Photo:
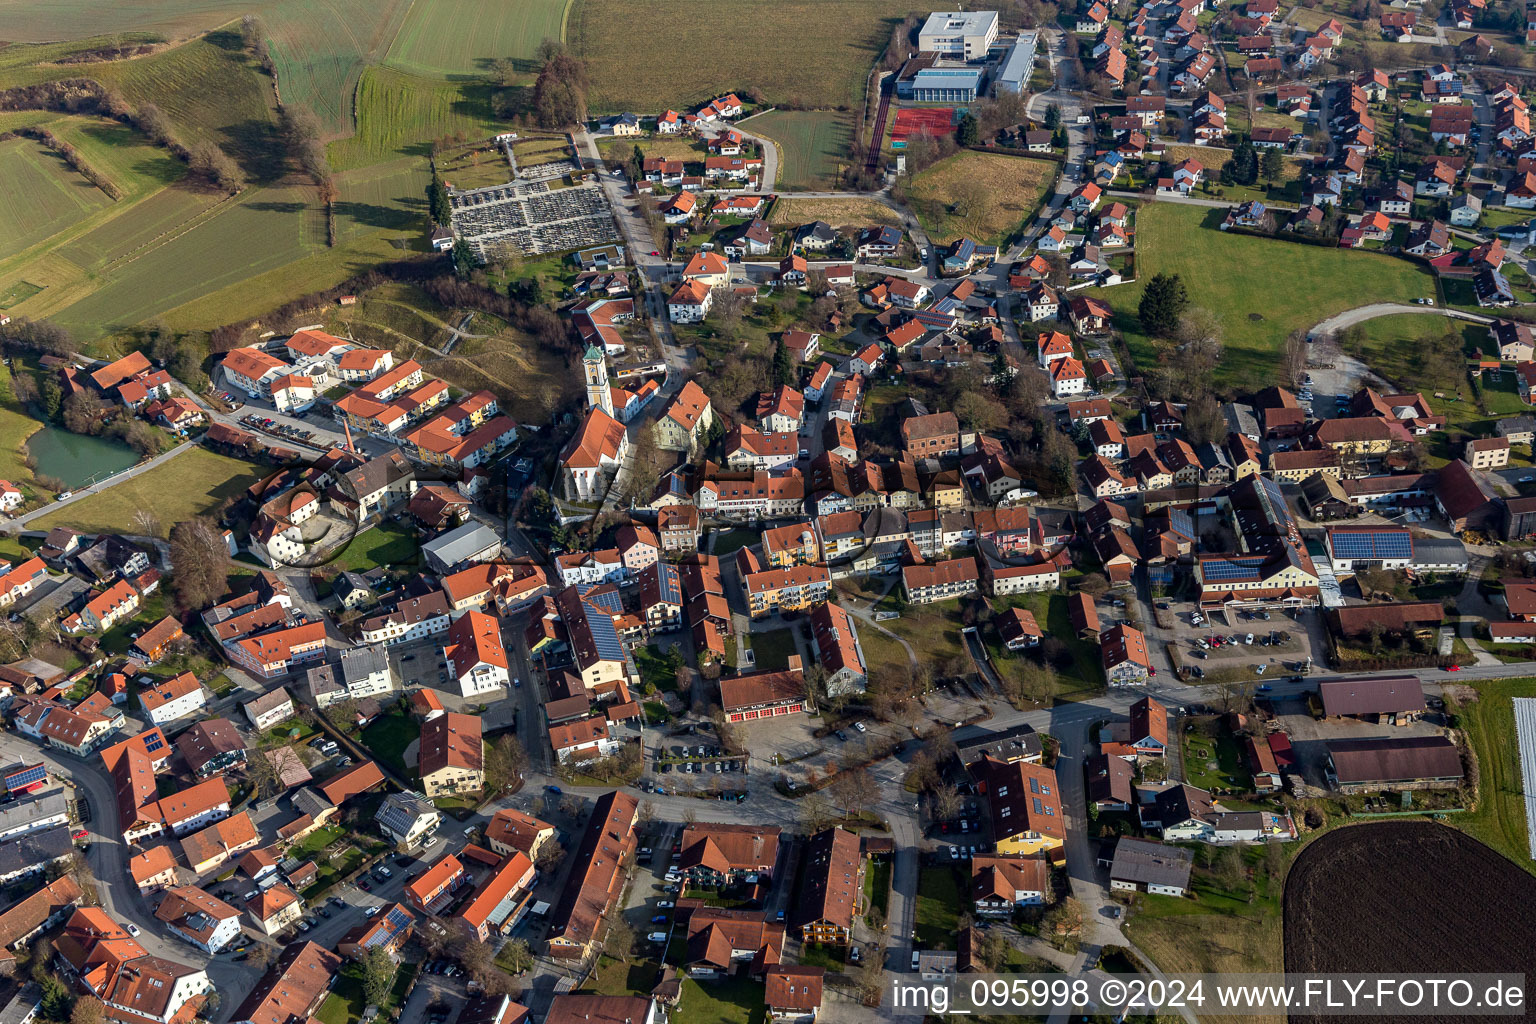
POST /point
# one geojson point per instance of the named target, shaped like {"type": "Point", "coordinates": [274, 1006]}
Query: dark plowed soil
{"type": "Point", "coordinates": [1409, 897]}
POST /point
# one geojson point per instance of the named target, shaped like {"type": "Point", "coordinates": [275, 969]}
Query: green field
{"type": "Point", "coordinates": [321, 49]}
{"type": "Point", "coordinates": [648, 55]}
{"type": "Point", "coordinates": [389, 195]}
{"type": "Point", "coordinates": [1499, 818]}
{"type": "Point", "coordinates": [318, 49]}
{"type": "Point", "coordinates": [42, 195]}
{"type": "Point", "coordinates": [462, 37]}
{"type": "Point", "coordinates": [1262, 289]}
{"type": "Point", "coordinates": [266, 228]}
{"type": "Point", "coordinates": [211, 94]}
{"type": "Point", "coordinates": [191, 484]}
{"type": "Point", "coordinates": [399, 114]}
{"type": "Point", "coordinates": [131, 162]}
{"type": "Point", "coordinates": [813, 145]}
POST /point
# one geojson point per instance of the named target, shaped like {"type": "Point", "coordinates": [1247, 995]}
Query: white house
{"type": "Point", "coordinates": [169, 700]}
{"type": "Point", "coordinates": [691, 303]}
{"type": "Point", "coordinates": [475, 656]}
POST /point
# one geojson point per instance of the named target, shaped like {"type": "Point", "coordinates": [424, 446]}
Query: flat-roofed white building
{"type": "Point", "coordinates": [965, 35]}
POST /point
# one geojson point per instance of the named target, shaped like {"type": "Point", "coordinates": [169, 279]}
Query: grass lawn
{"type": "Point", "coordinates": [840, 213]}
{"type": "Point", "coordinates": [1236, 929]}
{"type": "Point", "coordinates": [734, 1000]}
{"type": "Point", "coordinates": [934, 631]}
{"type": "Point", "coordinates": [192, 484]}
{"type": "Point", "coordinates": [388, 737]}
{"type": "Point", "coordinates": [316, 841]}
{"type": "Point", "coordinates": [615, 978]}
{"type": "Point", "coordinates": [388, 544]}
{"type": "Point", "coordinates": [817, 954]}
{"type": "Point", "coordinates": [15, 427]}
{"type": "Point", "coordinates": [1231, 771]}
{"type": "Point", "coordinates": [1261, 289]}
{"type": "Point", "coordinates": [1083, 676]}
{"type": "Point", "coordinates": [877, 885]}
{"type": "Point", "coordinates": [985, 196]}
{"type": "Point", "coordinates": [658, 668]}
{"type": "Point", "coordinates": [732, 541]}
{"type": "Point", "coordinates": [345, 1003]}
{"type": "Point", "coordinates": [773, 648]}
{"type": "Point", "coordinates": [813, 145]}
{"type": "Point", "coordinates": [1499, 818]}
{"type": "Point", "coordinates": [667, 147]}
{"type": "Point", "coordinates": [1392, 346]}
{"type": "Point", "coordinates": [151, 610]}
{"type": "Point", "coordinates": [881, 653]}
{"type": "Point", "coordinates": [938, 907]}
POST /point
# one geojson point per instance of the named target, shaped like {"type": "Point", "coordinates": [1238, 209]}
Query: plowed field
{"type": "Point", "coordinates": [1408, 897]}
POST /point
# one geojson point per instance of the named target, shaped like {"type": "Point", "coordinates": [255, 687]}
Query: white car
{"type": "Point", "coordinates": [860, 726]}
{"type": "Point", "coordinates": [133, 929]}
{"type": "Point", "coordinates": [370, 911]}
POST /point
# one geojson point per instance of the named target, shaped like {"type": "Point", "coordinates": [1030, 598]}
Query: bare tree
{"type": "Point", "coordinates": [146, 523]}
{"type": "Point", "coordinates": [201, 563]}
{"type": "Point", "coordinates": [261, 773]}
{"type": "Point", "coordinates": [815, 811]}
{"type": "Point", "coordinates": [1295, 355]}
{"type": "Point", "coordinates": [619, 940]}
{"type": "Point", "coordinates": [947, 802]}
{"type": "Point", "coordinates": [854, 789]}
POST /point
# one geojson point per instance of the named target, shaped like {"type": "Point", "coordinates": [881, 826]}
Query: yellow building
{"type": "Point", "coordinates": [1027, 817]}
{"type": "Point", "coordinates": [786, 590]}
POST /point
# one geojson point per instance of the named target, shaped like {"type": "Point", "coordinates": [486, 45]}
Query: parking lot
{"type": "Point", "coordinates": [1267, 642]}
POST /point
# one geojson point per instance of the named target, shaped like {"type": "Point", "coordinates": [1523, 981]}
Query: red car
{"type": "Point", "coordinates": [1453, 668]}
{"type": "Point", "coordinates": [82, 834]}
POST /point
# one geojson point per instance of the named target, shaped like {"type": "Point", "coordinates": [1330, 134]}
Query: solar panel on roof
{"type": "Point", "coordinates": [397, 918]}
{"type": "Point", "coordinates": [153, 743]}
{"type": "Point", "coordinates": [26, 777]}
{"type": "Point", "coordinates": [605, 638]}
{"type": "Point", "coordinates": [1373, 545]}
{"type": "Point", "coordinates": [1229, 568]}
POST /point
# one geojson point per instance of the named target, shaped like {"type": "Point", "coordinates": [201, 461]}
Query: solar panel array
{"type": "Point", "coordinates": [668, 583]}
{"type": "Point", "coordinates": [28, 776]}
{"type": "Point", "coordinates": [1182, 523]}
{"type": "Point", "coordinates": [605, 638]}
{"type": "Point", "coordinates": [153, 742]}
{"type": "Point", "coordinates": [1222, 569]}
{"type": "Point", "coordinates": [1373, 545]}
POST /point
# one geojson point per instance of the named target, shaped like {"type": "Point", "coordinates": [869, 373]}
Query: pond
{"type": "Point", "coordinates": [77, 459]}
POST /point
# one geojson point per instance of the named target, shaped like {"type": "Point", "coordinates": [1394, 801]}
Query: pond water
{"type": "Point", "coordinates": [78, 459]}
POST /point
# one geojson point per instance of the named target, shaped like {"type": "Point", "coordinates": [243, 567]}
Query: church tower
{"type": "Point", "coordinates": [595, 365]}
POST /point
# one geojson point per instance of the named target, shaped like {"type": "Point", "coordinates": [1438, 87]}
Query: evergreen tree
{"type": "Point", "coordinates": [783, 365]}
{"type": "Point", "coordinates": [1245, 162]}
{"type": "Point", "coordinates": [1274, 165]}
{"type": "Point", "coordinates": [463, 258]}
{"type": "Point", "coordinates": [53, 396]}
{"type": "Point", "coordinates": [637, 164]}
{"type": "Point", "coordinates": [438, 206]}
{"type": "Point", "coordinates": [1162, 304]}
{"type": "Point", "coordinates": [968, 132]}
{"type": "Point", "coordinates": [1052, 117]}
